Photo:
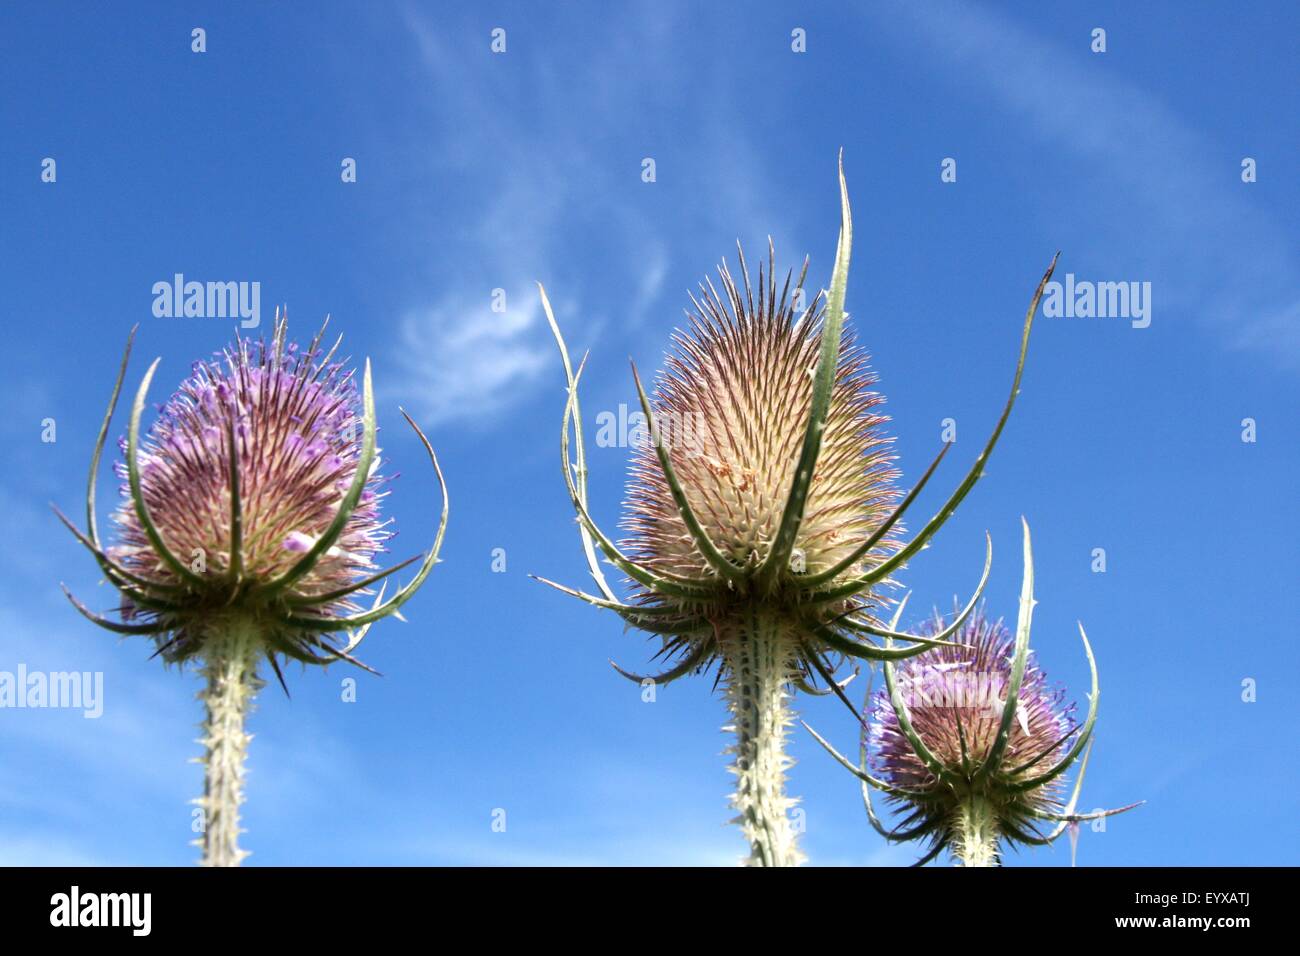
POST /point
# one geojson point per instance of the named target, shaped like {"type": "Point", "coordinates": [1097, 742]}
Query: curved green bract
{"type": "Point", "coordinates": [993, 759]}
{"type": "Point", "coordinates": [351, 498]}
{"type": "Point", "coordinates": [407, 591]}
{"type": "Point", "coordinates": [311, 600]}
{"type": "Point", "coordinates": [926, 755]}
{"type": "Point", "coordinates": [571, 384]}
{"type": "Point", "coordinates": [91, 525]}
{"type": "Point", "coordinates": [861, 774]}
{"type": "Point", "coordinates": [665, 584]}
{"type": "Point", "coordinates": [1085, 733]}
{"type": "Point", "coordinates": [868, 652]}
{"type": "Point", "coordinates": [715, 558]}
{"type": "Point", "coordinates": [823, 386]}
{"type": "Point", "coordinates": [942, 636]}
{"type": "Point", "coordinates": [105, 623]}
{"type": "Point", "coordinates": [137, 492]}
{"type": "Point", "coordinates": [883, 569]}
{"type": "Point", "coordinates": [683, 667]}
{"type": "Point", "coordinates": [820, 578]}
{"type": "Point", "coordinates": [236, 508]}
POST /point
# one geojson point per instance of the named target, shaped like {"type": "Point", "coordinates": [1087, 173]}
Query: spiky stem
{"type": "Point", "coordinates": [975, 834]}
{"type": "Point", "coordinates": [759, 666]}
{"type": "Point", "coordinates": [230, 669]}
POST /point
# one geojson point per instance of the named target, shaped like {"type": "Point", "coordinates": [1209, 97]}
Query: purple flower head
{"type": "Point", "coordinates": [955, 698]}
{"type": "Point", "coordinates": [253, 501]}
{"type": "Point", "coordinates": [970, 741]}
{"type": "Point", "coordinates": [297, 426]}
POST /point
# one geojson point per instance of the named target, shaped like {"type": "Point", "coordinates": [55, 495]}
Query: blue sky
{"type": "Point", "coordinates": [479, 171]}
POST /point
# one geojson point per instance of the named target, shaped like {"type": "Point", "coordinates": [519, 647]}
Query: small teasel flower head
{"type": "Point", "coordinates": [955, 697]}
{"type": "Point", "coordinates": [253, 500]}
{"type": "Point", "coordinates": [763, 521]}
{"type": "Point", "coordinates": [971, 742]}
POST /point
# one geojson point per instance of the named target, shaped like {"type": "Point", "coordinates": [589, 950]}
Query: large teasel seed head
{"type": "Point", "coordinates": [732, 407]}
{"type": "Point", "coordinates": [252, 504]}
{"type": "Point", "coordinates": [762, 517]}
{"type": "Point", "coordinates": [766, 490]}
{"type": "Point", "coordinates": [970, 742]}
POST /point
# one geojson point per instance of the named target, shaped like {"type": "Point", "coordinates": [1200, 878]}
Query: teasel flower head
{"type": "Point", "coordinates": [248, 531]}
{"type": "Point", "coordinates": [763, 521]}
{"type": "Point", "coordinates": [972, 743]}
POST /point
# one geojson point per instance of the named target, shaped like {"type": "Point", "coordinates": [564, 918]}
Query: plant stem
{"type": "Point", "coordinates": [975, 834]}
{"type": "Point", "coordinates": [230, 669]}
{"type": "Point", "coordinates": [759, 667]}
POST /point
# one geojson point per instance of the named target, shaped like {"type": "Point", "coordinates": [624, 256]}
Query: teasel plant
{"type": "Point", "coordinates": [764, 545]}
{"type": "Point", "coordinates": [972, 744]}
{"type": "Point", "coordinates": [246, 534]}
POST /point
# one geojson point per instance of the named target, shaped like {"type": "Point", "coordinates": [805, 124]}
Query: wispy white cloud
{"type": "Point", "coordinates": [1184, 214]}
{"type": "Point", "coordinates": [533, 160]}
{"type": "Point", "coordinates": [462, 362]}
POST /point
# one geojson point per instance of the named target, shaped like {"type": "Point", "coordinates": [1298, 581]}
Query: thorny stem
{"type": "Point", "coordinates": [975, 835]}
{"type": "Point", "coordinates": [759, 666]}
{"type": "Point", "coordinates": [230, 669]}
